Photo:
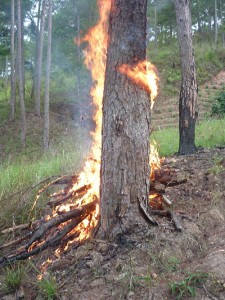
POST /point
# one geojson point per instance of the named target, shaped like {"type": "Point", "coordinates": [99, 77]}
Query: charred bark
{"type": "Point", "coordinates": [188, 93]}
{"type": "Point", "coordinates": [126, 123]}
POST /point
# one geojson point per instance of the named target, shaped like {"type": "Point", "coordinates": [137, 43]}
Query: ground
{"type": "Point", "coordinates": [142, 266]}
{"type": "Point", "coordinates": [146, 265]}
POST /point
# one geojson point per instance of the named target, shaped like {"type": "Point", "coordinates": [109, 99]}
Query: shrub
{"type": "Point", "coordinates": [218, 108]}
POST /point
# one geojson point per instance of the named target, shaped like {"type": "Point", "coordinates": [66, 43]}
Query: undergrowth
{"type": "Point", "coordinates": [209, 133]}
{"type": "Point", "coordinates": [209, 61]}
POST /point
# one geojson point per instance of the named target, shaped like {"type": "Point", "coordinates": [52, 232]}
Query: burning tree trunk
{"type": "Point", "coordinates": [126, 122]}
{"type": "Point", "coordinates": [188, 93]}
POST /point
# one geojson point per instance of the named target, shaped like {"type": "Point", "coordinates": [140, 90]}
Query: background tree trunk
{"type": "Point", "coordinates": [20, 77]}
{"type": "Point", "coordinates": [12, 67]}
{"type": "Point", "coordinates": [48, 69]}
{"type": "Point", "coordinates": [215, 23]}
{"type": "Point", "coordinates": [222, 23]}
{"type": "Point", "coordinates": [188, 93]}
{"type": "Point", "coordinates": [39, 61]}
{"type": "Point", "coordinates": [34, 73]}
{"type": "Point", "coordinates": [126, 123]}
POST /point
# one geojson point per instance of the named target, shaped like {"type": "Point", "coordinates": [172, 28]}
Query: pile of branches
{"type": "Point", "coordinates": [56, 229]}
{"type": "Point", "coordinates": [59, 227]}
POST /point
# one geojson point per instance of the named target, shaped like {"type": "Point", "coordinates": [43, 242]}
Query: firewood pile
{"type": "Point", "coordinates": [60, 227]}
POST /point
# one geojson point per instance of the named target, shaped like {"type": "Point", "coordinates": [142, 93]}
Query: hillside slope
{"type": "Point", "coordinates": [166, 109]}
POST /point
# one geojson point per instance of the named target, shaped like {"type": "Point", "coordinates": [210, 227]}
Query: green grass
{"type": "Point", "coordinates": [209, 61]}
{"type": "Point", "coordinates": [209, 133]}
{"type": "Point", "coordinates": [187, 286]}
{"type": "Point", "coordinates": [19, 174]}
{"type": "Point", "coordinates": [13, 278]}
{"type": "Point", "coordinates": [48, 288]}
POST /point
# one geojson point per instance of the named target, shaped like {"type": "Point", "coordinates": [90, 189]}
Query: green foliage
{"type": "Point", "coordinates": [48, 288]}
{"type": "Point", "coordinates": [187, 287]}
{"type": "Point", "coordinates": [13, 278]}
{"type": "Point", "coordinates": [218, 108]}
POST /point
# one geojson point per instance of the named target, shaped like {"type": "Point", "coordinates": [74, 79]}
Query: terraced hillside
{"type": "Point", "coordinates": [166, 109]}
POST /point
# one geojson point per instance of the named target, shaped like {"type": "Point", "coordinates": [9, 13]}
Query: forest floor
{"type": "Point", "coordinates": [144, 265]}
{"type": "Point", "coordinates": [148, 265]}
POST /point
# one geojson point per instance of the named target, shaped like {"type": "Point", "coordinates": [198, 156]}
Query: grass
{"type": "Point", "coordinates": [13, 278]}
{"type": "Point", "coordinates": [19, 174]}
{"type": "Point", "coordinates": [48, 288]}
{"type": "Point", "coordinates": [187, 286]}
{"type": "Point", "coordinates": [209, 61]}
{"type": "Point", "coordinates": [209, 133]}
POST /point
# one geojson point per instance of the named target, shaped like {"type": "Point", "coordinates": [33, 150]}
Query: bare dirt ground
{"type": "Point", "coordinates": [142, 266]}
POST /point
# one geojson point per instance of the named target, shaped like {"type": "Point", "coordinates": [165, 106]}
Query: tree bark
{"type": "Point", "coordinates": [126, 123]}
{"type": "Point", "coordinates": [188, 92]}
{"type": "Point", "coordinates": [12, 67]}
{"type": "Point", "coordinates": [47, 81]}
{"type": "Point", "coordinates": [20, 76]}
{"type": "Point", "coordinates": [39, 61]}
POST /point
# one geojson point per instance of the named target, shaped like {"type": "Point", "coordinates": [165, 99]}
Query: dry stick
{"type": "Point", "coordinates": [20, 227]}
{"type": "Point", "coordinates": [168, 213]}
{"type": "Point", "coordinates": [54, 241]}
{"type": "Point", "coordinates": [176, 221]}
{"type": "Point", "coordinates": [59, 201]}
{"type": "Point", "coordinates": [144, 205]}
{"type": "Point", "coordinates": [209, 294]}
{"type": "Point", "coordinates": [19, 240]}
{"type": "Point", "coordinates": [42, 191]}
{"type": "Point", "coordinates": [75, 213]}
{"type": "Point", "coordinates": [166, 200]}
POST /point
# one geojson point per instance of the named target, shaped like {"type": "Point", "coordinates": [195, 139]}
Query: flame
{"type": "Point", "coordinates": [95, 60]}
{"type": "Point", "coordinates": [155, 160]}
{"type": "Point", "coordinates": [143, 74]}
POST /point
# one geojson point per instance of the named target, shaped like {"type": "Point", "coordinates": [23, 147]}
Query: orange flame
{"type": "Point", "coordinates": [155, 160]}
{"type": "Point", "coordinates": [144, 75]}
{"type": "Point", "coordinates": [95, 60]}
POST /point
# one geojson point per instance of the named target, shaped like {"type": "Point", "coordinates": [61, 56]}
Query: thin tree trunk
{"type": "Point", "coordinates": [156, 27]}
{"type": "Point", "coordinates": [22, 52]}
{"type": "Point", "coordinates": [222, 23]}
{"type": "Point", "coordinates": [126, 123]}
{"type": "Point", "coordinates": [188, 93]}
{"type": "Point", "coordinates": [39, 61]}
{"type": "Point", "coordinates": [12, 68]}
{"type": "Point", "coordinates": [6, 70]}
{"type": "Point", "coordinates": [198, 18]}
{"type": "Point", "coordinates": [48, 69]}
{"type": "Point", "coordinates": [34, 75]}
{"type": "Point", "coordinates": [216, 23]}
{"type": "Point", "coordinates": [20, 76]}
{"type": "Point", "coordinates": [78, 47]}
